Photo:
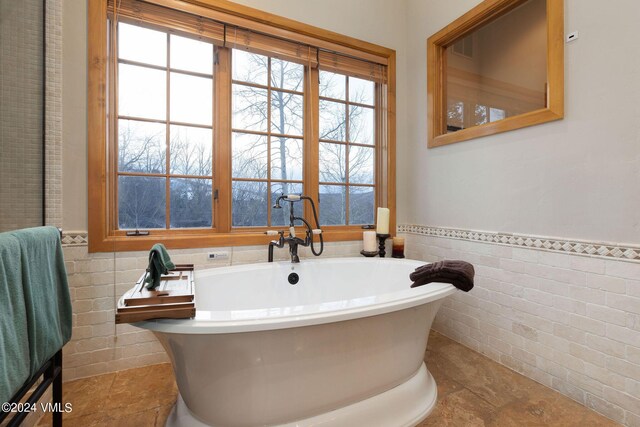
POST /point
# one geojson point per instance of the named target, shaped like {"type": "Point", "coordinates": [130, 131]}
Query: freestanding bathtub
{"type": "Point", "coordinates": [342, 347]}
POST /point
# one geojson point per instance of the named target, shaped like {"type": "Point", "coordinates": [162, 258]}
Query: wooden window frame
{"type": "Point", "coordinates": [477, 17]}
{"type": "Point", "coordinates": [103, 235]}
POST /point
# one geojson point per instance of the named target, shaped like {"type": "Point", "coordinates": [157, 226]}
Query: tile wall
{"type": "Point", "coordinates": [565, 316]}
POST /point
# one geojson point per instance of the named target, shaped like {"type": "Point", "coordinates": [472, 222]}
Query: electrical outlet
{"type": "Point", "coordinates": [214, 256]}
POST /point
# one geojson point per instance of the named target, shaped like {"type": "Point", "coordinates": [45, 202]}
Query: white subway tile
{"type": "Point", "coordinates": [554, 259]}
{"type": "Point", "coordinates": [607, 314]}
{"type": "Point", "coordinates": [525, 331]}
{"type": "Point", "coordinates": [512, 265]}
{"type": "Point", "coordinates": [626, 270]}
{"type": "Point", "coordinates": [633, 353]}
{"type": "Point", "coordinates": [624, 335]}
{"type": "Point", "coordinates": [604, 376]}
{"type": "Point", "coordinates": [633, 388]}
{"type": "Point", "coordinates": [585, 383]}
{"type": "Point", "coordinates": [569, 390]}
{"type": "Point", "coordinates": [623, 302]}
{"type": "Point", "coordinates": [586, 354]}
{"type": "Point", "coordinates": [606, 283]}
{"type": "Point", "coordinates": [499, 345]}
{"type": "Point", "coordinates": [630, 403]}
{"type": "Point", "coordinates": [630, 370]}
{"type": "Point", "coordinates": [595, 327]}
{"type": "Point", "coordinates": [569, 333]}
{"type": "Point", "coordinates": [633, 288]}
{"type": "Point", "coordinates": [558, 274]}
{"type": "Point", "coordinates": [632, 419]}
{"type": "Point", "coordinates": [587, 264]}
{"type": "Point", "coordinates": [589, 295]}
{"type": "Point", "coordinates": [608, 409]}
{"type": "Point", "coordinates": [523, 356]}
{"type": "Point", "coordinates": [527, 255]}
{"type": "Point", "coordinates": [606, 345]}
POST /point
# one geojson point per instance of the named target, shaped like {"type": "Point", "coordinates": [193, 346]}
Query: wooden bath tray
{"type": "Point", "coordinates": [173, 299]}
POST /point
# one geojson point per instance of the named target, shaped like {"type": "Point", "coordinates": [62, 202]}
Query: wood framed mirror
{"type": "Point", "coordinates": [497, 68]}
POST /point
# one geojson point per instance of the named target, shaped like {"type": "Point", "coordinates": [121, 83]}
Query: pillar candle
{"type": "Point", "coordinates": [383, 221]}
{"type": "Point", "coordinates": [369, 238]}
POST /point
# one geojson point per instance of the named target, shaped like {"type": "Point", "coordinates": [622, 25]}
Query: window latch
{"type": "Point", "coordinates": [137, 232]}
{"type": "Point", "coordinates": [215, 194]}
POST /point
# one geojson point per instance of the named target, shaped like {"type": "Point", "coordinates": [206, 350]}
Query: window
{"type": "Point", "coordinates": [347, 152]}
{"type": "Point", "coordinates": [267, 137]}
{"type": "Point", "coordinates": [215, 115]}
{"type": "Point", "coordinates": [165, 134]}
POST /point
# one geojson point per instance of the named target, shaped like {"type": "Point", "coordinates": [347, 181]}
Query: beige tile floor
{"type": "Point", "coordinates": [472, 391]}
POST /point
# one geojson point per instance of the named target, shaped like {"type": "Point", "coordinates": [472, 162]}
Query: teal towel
{"type": "Point", "coordinates": [46, 293]}
{"type": "Point", "coordinates": [14, 337]}
{"type": "Point", "coordinates": [159, 264]}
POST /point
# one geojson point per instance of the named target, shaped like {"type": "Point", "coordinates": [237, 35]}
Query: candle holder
{"type": "Point", "coordinates": [368, 254]}
{"type": "Point", "coordinates": [381, 239]}
{"type": "Point", "coordinates": [398, 247]}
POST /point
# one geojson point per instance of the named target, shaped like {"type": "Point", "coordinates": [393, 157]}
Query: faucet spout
{"type": "Point", "coordinates": [292, 239]}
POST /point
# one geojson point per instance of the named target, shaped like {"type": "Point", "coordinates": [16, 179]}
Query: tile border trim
{"type": "Point", "coordinates": [607, 250]}
{"type": "Point", "coordinates": [75, 238]}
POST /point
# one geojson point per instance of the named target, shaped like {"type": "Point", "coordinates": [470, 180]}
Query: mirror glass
{"type": "Point", "coordinates": [499, 70]}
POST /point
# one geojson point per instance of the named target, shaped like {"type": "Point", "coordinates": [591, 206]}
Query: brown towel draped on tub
{"type": "Point", "coordinates": [458, 273]}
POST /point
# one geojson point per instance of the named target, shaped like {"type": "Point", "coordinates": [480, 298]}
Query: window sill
{"type": "Point", "coordinates": [118, 243]}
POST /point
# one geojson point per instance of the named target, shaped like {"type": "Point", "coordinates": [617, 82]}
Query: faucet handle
{"type": "Point", "coordinates": [273, 232]}
{"type": "Point", "coordinates": [316, 231]}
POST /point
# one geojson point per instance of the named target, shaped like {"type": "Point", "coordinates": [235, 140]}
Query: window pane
{"type": "Point", "coordinates": [141, 202]}
{"type": "Point", "coordinates": [332, 85]}
{"type": "Point", "coordinates": [361, 91]}
{"type": "Point", "coordinates": [141, 146]}
{"type": "Point", "coordinates": [333, 162]}
{"type": "Point", "coordinates": [249, 67]}
{"type": "Point", "coordinates": [496, 114]}
{"type": "Point", "coordinates": [361, 203]}
{"type": "Point", "coordinates": [361, 125]}
{"type": "Point", "coordinates": [191, 55]}
{"type": "Point", "coordinates": [281, 216]}
{"type": "Point", "coordinates": [333, 121]}
{"type": "Point", "coordinates": [361, 165]}
{"type": "Point", "coordinates": [191, 150]}
{"type": "Point", "coordinates": [191, 99]}
{"type": "Point", "coordinates": [190, 203]}
{"type": "Point", "coordinates": [286, 158]}
{"type": "Point", "coordinates": [286, 113]}
{"type": "Point", "coordinates": [249, 204]}
{"type": "Point", "coordinates": [333, 201]}
{"type": "Point", "coordinates": [142, 44]}
{"type": "Point", "coordinates": [249, 108]}
{"type": "Point", "coordinates": [287, 75]}
{"type": "Point", "coordinates": [249, 156]}
{"type": "Point", "coordinates": [142, 92]}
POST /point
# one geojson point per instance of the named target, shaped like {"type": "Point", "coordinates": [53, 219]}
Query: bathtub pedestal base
{"type": "Point", "coordinates": [404, 405]}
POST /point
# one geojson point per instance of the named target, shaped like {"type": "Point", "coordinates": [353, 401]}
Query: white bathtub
{"type": "Point", "coordinates": [342, 347]}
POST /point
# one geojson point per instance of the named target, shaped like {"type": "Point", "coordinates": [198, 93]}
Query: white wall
{"type": "Point", "coordinates": [576, 178]}
{"type": "Point", "coordinates": [377, 21]}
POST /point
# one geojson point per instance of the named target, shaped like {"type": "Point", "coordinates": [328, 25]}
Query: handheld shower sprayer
{"type": "Point", "coordinates": [310, 232]}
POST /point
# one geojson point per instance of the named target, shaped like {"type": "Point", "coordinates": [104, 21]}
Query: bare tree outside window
{"type": "Point", "coordinates": [148, 181]}
{"type": "Point", "coordinates": [347, 153]}
{"type": "Point", "coordinates": [267, 144]}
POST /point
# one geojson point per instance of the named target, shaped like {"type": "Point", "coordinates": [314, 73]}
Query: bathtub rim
{"type": "Point", "coordinates": [388, 302]}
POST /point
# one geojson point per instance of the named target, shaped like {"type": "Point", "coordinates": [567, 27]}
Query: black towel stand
{"type": "Point", "coordinates": [51, 373]}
